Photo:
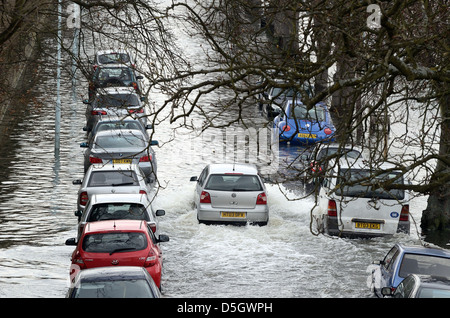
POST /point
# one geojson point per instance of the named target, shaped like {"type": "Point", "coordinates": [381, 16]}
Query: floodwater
{"type": "Point", "coordinates": [282, 259]}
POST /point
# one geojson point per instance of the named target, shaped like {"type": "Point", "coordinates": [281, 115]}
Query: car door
{"type": "Point", "coordinates": [200, 184]}
{"type": "Point", "coordinates": [387, 267]}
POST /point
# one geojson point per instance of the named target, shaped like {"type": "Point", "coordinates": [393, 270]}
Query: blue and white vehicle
{"type": "Point", "coordinates": [402, 261]}
{"type": "Point", "coordinates": [297, 124]}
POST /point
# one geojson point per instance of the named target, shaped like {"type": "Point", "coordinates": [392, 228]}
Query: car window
{"type": "Point", "coordinates": [114, 242]}
{"type": "Point", "coordinates": [405, 288]}
{"type": "Point", "coordinates": [425, 264]}
{"type": "Point", "coordinates": [430, 292]}
{"type": "Point", "coordinates": [151, 234]}
{"type": "Point", "coordinates": [390, 257]}
{"type": "Point", "coordinates": [130, 288]}
{"type": "Point", "coordinates": [363, 183]}
{"type": "Point", "coordinates": [117, 100]}
{"type": "Point", "coordinates": [113, 178]}
{"type": "Point", "coordinates": [117, 211]}
{"type": "Point", "coordinates": [202, 177]}
{"type": "Point", "coordinates": [113, 58]}
{"type": "Point", "coordinates": [233, 182]}
{"type": "Point", "coordinates": [315, 114]}
{"type": "Point", "coordinates": [119, 141]}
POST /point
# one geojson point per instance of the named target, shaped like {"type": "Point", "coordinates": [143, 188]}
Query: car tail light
{"type": "Point", "coordinates": [328, 131]}
{"type": "Point", "coordinates": [285, 128]}
{"type": "Point", "coordinates": [95, 160]}
{"type": "Point", "coordinates": [145, 159]}
{"type": "Point", "coordinates": [142, 192]}
{"type": "Point", "coordinates": [332, 210]}
{"type": "Point", "coordinates": [135, 86]}
{"type": "Point", "coordinates": [205, 197]}
{"type": "Point", "coordinates": [261, 199]}
{"type": "Point", "coordinates": [151, 259]}
{"type": "Point", "coordinates": [99, 112]}
{"type": "Point", "coordinates": [78, 260]}
{"type": "Point", "coordinates": [84, 198]}
{"type": "Point", "coordinates": [152, 227]}
{"type": "Point", "coordinates": [404, 214]}
{"type": "Point", "coordinates": [136, 111]}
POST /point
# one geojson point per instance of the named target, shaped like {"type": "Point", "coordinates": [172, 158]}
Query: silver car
{"type": "Point", "coordinates": [118, 146]}
{"type": "Point", "coordinates": [231, 193]}
{"type": "Point", "coordinates": [101, 207]}
{"type": "Point", "coordinates": [113, 179]}
{"type": "Point", "coordinates": [112, 102]}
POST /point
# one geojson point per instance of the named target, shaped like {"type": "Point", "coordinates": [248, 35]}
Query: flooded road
{"type": "Point", "coordinates": [282, 259]}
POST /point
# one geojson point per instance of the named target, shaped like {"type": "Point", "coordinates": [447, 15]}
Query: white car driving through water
{"type": "Point", "coordinates": [353, 202]}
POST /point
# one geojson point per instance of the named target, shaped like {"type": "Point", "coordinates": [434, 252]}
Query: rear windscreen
{"type": "Point", "coordinates": [113, 179]}
{"type": "Point", "coordinates": [233, 182]}
{"type": "Point", "coordinates": [369, 184]}
{"type": "Point", "coordinates": [114, 242]}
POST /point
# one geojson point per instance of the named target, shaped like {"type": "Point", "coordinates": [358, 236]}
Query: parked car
{"type": "Point", "coordinates": [123, 206]}
{"type": "Point", "coordinates": [231, 193]}
{"type": "Point", "coordinates": [118, 243]}
{"type": "Point", "coordinates": [114, 282]}
{"type": "Point", "coordinates": [296, 124]}
{"type": "Point", "coordinates": [116, 56]}
{"type": "Point", "coordinates": [420, 286]}
{"type": "Point", "coordinates": [402, 261]}
{"type": "Point", "coordinates": [114, 75]}
{"type": "Point", "coordinates": [276, 97]}
{"type": "Point", "coordinates": [113, 102]}
{"type": "Point", "coordinates": [118, 122]}
{"type": "Point", "coordinates": [121, 147]}
{"type": "Point", "coordinates": [113, 179]}
{"type": "Point", "coordinates": [322, 153]}
{"type": "Point", "coordinates": [352, 201]}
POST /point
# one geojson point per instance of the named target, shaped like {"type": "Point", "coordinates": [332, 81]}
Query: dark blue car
{"type": "Point", "coordinates": [296, 124]}
{"type": "Point", "coordinates": [402, 260]}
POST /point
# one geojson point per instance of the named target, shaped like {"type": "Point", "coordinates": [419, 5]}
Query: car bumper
{"type": "Point", "coordinates": [334, 227]}
{"type": "Point", "coordinates": [259, 215]}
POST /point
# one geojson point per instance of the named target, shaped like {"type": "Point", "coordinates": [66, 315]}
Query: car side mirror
{"type": "Point", "coordinates": [387, 291]}
{"type": "Point", "coordinates": [86, 101]}
{"type": "Point", "coordinates": [193, 179]}
{"type": "Point", "coordinates": [143, 99]}
{"type": "Point", "coordinates": [84, 145]}
{"type": "Point", "coordinates": [154, 143]}
{"type": "Point", "coordinates": [78, 213]}
{"type": "Point", "coordinates": [139, 77]}
{"type": "Point", "coordinates": [163, 238]}
{"type": "Point", "coordinates": [149, 126]}
{"type": "Point", "coordinates": [160, 212]}
{"type": "Point", "coordinates": [71, 242]}
{"type": "Point", "coordinates": [75, 182]}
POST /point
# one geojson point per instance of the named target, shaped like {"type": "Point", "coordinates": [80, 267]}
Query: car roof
{"type": "Point", "coordinates": [115, 118]}
{"type": "Point", "coordinates": [116, 90]}
{"type": "Point", "coordinates": [338, 145]}
{"type": "Point", "coordinates": [99, 198]}
{"type": "Point", "coordinates": [424, 250]}
{"type": "Point", "coordinates": [361, 163]}
{"type": "Point", "coordinates": [122, 131]}
{"type": "Point", "coordinates": [233, 168]}
{"type": "Point", "coordinates": [116, 225]}
{"type": "Point", "coordinates": [111, 273]}
{"type": "Point", "coordinates": [111, 51]}
{"type": "Point", "coordinates": [115, 167]}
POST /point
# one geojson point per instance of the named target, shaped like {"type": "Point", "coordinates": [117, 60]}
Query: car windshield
{"type": "Point", "coordinates": [315, 114]}
{"type": "Point", "coordinates": [113, 178]}
{"type": "Point", "coordinates": [119, 141]}
{"type": "Point", "coordinates": [130, 288]}
{"type": "Point", "coordinates": [233, 182]}
{"type": "Point", "coordinates": [117, 211]}
{"type": "Point", "coordinates": [329, 151]}
{"type": "Point", "coordinates": [111, 58]}
{"type": "Point", "coordinates": [425, 264]}
{"type": "Point", "coordinates": [114, 242]}
{"type": "Point", "coordinates": [117, 100]}
{"type": "Point", "coordinates": [361, 183]}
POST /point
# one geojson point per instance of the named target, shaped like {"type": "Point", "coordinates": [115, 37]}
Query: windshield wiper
{"type": "Point", "coordinates": [122, 184]}
{"type": "Point", "coordinates": [122, 249]}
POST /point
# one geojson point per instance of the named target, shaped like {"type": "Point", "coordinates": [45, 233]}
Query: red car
{"type": "Point", "coordinates": [118, 243]}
